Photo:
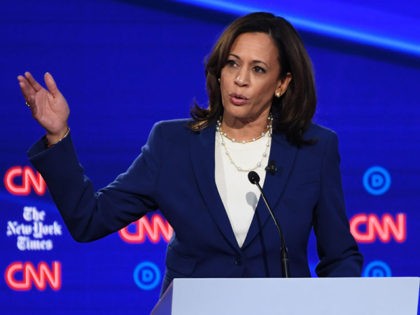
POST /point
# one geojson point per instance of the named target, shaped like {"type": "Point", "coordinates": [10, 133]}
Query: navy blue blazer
{"type": "Point", "coordinates": [175, 173]}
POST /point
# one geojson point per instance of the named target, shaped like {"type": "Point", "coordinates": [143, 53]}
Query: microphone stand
{"type": "Point", "coordinates": [255, 179]}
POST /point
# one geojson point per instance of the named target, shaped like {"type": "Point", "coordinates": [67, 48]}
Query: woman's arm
{"type": "Point", "coordinates": [337, 249]}
{"type": "Point", "coordinates": [88, 215]}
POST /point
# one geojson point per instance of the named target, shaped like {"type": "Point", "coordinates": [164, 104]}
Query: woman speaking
{"type": "Point", "coordinates": [261, 100]}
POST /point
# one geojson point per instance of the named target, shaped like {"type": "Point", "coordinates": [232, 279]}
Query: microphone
{"type": "Point", "coordinates": [271, 168]}
{"type": "Point", "coordinates": [254, 178]}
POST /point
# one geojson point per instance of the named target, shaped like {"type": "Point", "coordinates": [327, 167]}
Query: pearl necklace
{"type": "Point", "coordinates": [268, 132]}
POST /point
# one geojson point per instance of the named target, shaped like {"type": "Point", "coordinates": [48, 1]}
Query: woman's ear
{"type": "Point", "coordinates": [283, 84]}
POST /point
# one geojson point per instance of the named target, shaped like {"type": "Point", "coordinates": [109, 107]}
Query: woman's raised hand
{"type": "Point", "coordinates": [49, 107]}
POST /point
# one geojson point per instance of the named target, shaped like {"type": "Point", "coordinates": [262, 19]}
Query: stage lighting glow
{"type": "Point", "coordinates": [368, 36]}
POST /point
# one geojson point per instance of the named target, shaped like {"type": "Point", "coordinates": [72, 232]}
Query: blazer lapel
{"type": "Point", "coordinates": [283, 154]}
{"type": "Point", "coordinates": [203, 162]}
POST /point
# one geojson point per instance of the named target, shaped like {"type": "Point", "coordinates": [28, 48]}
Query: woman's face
{"type": "Point", "coordinates": [250, 78]}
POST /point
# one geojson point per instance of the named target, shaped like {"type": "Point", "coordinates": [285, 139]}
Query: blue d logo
{"type": "Point", "coordinates": [147, 275]}
{"type": "Point", "coordinates": [376, 180]}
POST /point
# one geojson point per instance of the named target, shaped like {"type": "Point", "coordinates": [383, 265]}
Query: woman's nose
{"type": "Point", "coordinates": [242, 78]}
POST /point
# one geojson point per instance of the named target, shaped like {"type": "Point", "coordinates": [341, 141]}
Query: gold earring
{"type": "Point", "coordinates": [278, 94]}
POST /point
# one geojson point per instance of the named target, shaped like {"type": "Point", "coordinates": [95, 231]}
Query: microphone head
{"type": "Point", "coordinates": [253, 177]}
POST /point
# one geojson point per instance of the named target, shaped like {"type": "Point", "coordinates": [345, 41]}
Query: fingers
{"type": "Point", "coordinates": [30, 87]}
{"type": "Point", "coordinates": [33, 83]}
{"type": "Point", "coordinates": [26, 88]}
{"type": "Point", "coordinates": [51, 85]}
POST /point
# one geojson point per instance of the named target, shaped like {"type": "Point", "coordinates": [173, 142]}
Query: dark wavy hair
{"type": "Point", "coordinates": [293, 111]}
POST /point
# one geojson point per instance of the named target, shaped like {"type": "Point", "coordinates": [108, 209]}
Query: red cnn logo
{"type": "Point", "coordinates": [155, 228]}
{"type": "Point", "coordinates": [366, 228]}
{"type": "Point", "coordinates": [19, 181]}
{"type": "Point", "coordinates": [21, 276]}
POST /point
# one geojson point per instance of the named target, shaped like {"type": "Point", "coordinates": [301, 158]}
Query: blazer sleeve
{"type": "Point", "coordinates": [337, 249]}
{"type": "Point", "coordinates": [90, 215]}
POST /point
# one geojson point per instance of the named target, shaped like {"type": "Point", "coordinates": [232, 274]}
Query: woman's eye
{"type": "Point", "coordinates": [231, 63]}
{"type": "Point", "coordinates": [259, 69]}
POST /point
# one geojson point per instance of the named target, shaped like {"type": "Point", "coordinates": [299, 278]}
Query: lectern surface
{"type": "Point", "coordinates": [293, 296]}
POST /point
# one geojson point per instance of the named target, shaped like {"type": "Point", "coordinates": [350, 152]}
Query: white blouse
{"type": "Point", "coordinates": [239, 196]}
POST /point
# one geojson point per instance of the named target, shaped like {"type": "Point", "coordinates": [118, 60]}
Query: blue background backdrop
{"type": "Point", "coordinates": [124, 65]}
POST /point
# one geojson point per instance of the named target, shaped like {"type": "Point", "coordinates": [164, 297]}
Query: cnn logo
{"type": "Point", "coordinates": [154, 229]}
{"type": "Point", "coordinates": [21, 181]}
{"type": "Point", "coordinates": [367, 228]}
{"type": "Point", "coordinates": [22, 276]}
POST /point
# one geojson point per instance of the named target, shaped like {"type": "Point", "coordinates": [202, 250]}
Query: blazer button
{"type": "Point", "coordinates": [237, 261]}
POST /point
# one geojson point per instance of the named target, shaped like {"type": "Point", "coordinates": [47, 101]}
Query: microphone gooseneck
{"type": "Point", "coordinates": [254, 178]}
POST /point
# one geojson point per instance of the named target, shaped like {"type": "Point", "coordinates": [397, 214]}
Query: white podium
{"type": "Point", "coordinates": [292, 296]}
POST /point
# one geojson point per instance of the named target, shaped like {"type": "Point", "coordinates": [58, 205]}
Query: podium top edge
{"type": "Point", "coordinates": [301, 279]}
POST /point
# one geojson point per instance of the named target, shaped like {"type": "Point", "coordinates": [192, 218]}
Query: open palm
{"type": "Point", "coordinates": [48, 106]}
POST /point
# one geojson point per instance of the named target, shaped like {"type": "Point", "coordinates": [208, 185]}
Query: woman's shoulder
{"type": "Point", "coordinates": [319, 132]}
{"type": "Point", "coordinates": [173, 123]}
{"type": "Point", "coordinates": [171, 129]}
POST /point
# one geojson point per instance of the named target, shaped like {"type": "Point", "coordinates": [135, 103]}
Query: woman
{"type": "Point", "coordinates": [261, 103]}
